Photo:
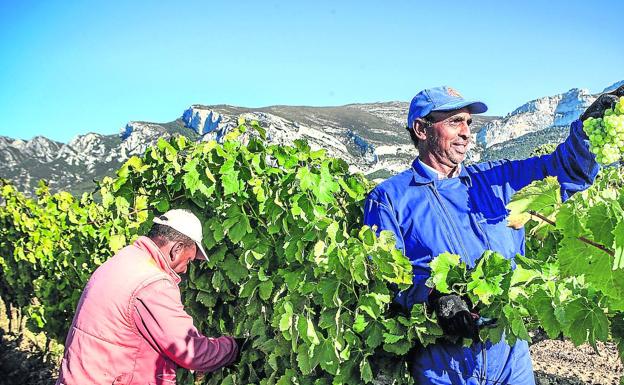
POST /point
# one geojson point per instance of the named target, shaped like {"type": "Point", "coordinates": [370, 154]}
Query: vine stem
{"type": "Point", "coordinates": [581, 238]}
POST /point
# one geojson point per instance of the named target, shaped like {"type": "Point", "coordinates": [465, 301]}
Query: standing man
{"type": "Point", "coordinates": [439, 205]}
{"type": "Point", "coordinates": [130, 326]}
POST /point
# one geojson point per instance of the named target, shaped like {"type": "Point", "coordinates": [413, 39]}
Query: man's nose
{"type": "Point", "coordinates": [464, 131]}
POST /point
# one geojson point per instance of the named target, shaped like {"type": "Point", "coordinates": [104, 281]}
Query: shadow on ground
{"type": "Point", "coordinates": [23, 365]}
{"type": "Point", "coordinates": [542, 378]}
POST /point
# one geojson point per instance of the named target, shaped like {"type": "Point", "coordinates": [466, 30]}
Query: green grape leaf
{"type": "Point", "coordinates": [391, 338]}
{"type": "Point", "coordinates": [191, 179]}
{"type": "Point", "coordinates": [305, 359]}
{"type": "Point", "coordinates": [162, 205]}
{"type": "Point", "coordinates": [375, 335]}
{"type": "Point", "coordinates": [360, 324]}
{"type": "Point", "coordinates": [601, 222]}
{"type": "Point", "coordinates": [618, 246]}
{"type": "Point", "coordinates": [491, 277]}
{"type": "Point", "coordinates": [543, 307]}
{"type": "Point", "coordinates": [240, 228]}
{"type": "Point", "coordinates": [569, 221]}
{"type": "Point", "coordinates": [374, 304]}
{"type": "Point", "coordinates": [265, 289]}
{"type": "Point", "coordinates": [577, 258]}
{"type": "Point", "coordinates": [444, 273]}
{"type": "Point", "coordinates": [399, 348]}
{"type": "Point", "coordinates": [206, 299]}
{"type": "Point", "coordinates": [311, 332]}
{"type": "Point", "coordinates": [568, 255]}
{"type": "Point", "coordinates": [328, 288]}
{"type": "Point", "coordinates": [230, 179]}
{"type": "Point", "coordinates": [329, 359]}
{"type": "Point", "coordinates": [326, 187]}
{"type": "Point", "coordinates": [586, 322]}
{"type": "Point", "coordinates": [117, 242]}
{"type": "Point", "coordinates": [366, 373]}
{"type": "Point", "coordinates": [307, 179]}
{"type": "Point", "coordinates": [234, 270]}
{"type": "Point", "coordinates": [541, 196]}
{"type": "Point", "coordinates": [285, 322]}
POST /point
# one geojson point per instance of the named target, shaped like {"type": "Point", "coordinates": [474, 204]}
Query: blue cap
{"type": "Point", "coordinates": [440, 99]}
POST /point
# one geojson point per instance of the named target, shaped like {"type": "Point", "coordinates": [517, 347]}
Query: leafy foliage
{"type": "Point", "coordinates": [292, 269]}
{"type": "Point", "coordinates": [575, 254]}
{"type": "Point", "coordinates": [290, 266]}
{"type": "Point", "coordinates": [50, 245]}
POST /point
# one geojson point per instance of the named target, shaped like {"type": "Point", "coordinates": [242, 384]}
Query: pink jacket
{"type": "Point", "coordinates": [130, 327]}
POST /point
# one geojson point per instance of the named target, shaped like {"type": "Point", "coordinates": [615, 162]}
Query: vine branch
{"type": "Point", "coordinates": [580, 238]}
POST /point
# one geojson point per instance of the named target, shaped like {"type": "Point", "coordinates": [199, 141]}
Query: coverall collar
{"type": "Point", "coordinates": [422, 176]}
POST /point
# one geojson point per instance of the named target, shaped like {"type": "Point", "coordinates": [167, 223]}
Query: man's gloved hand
{"type": "Point", "coordinates": [240, 343]}
{"type": "Point", "coordinates": [454, 316]}
{"type": "Point", "coordinates": [604, 102]}
{"type": "Point", "coordinates": [598, 107]}
{"type": "Point", "coordinates": [618, 92]}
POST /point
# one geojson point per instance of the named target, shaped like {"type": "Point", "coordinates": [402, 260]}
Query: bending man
{"type": "Point", "coordinates": [130, 326]}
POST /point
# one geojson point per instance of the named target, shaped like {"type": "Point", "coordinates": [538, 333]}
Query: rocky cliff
{"type": "Point", "coordinates": [370, 137]}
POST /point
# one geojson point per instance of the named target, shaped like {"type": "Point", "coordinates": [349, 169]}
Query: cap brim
{"type": "Point", "coordinates": [472, 106]}
{"type": "Point", "coordinates": [200, 254]}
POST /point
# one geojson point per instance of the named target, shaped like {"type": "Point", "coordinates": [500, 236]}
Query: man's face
{"type": "Point", "coordinates": [447, 139]}
{"type": "Point", "coordinates": [181, 256]}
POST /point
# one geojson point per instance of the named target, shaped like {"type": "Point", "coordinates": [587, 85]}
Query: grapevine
{"type": "Point", "coordinates": [292, 268]}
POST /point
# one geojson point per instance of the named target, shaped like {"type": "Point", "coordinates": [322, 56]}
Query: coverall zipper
{"type": "Point", "coordinates": [449, 218]}
{"type": "Point", "coordinates": [483, 378]}
{"type": "Point", "coordinates": [487, 240]}
{"type": "Point", "coordinates": [484, 364]}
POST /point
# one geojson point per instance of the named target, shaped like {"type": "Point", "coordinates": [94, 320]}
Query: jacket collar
{"type": "Point", "coordinates": [147, 245]}
{"type": "Point", "coordinates": [422, 176]}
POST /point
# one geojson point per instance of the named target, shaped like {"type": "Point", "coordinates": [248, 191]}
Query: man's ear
{"type": "Point", "coordinates": [176, 250]}
{"type": "Point", "coordinates": [420, 129]}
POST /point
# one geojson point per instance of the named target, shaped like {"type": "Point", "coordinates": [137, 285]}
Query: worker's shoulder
{"type": "Point", "coordinates": [160, 282]}
{"type": "Point", "coordinates": [393, 185]}
{"type": "Point", "coordinates": [476, 168]}
{"type": "Point", "coordinates": [129, 266]}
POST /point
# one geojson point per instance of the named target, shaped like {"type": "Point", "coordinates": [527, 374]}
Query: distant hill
{"type": "Point", "coordinates": [370, 137]}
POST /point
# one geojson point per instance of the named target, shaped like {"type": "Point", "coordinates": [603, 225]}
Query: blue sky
{"type": "Point", "coordinates": [72, 67]}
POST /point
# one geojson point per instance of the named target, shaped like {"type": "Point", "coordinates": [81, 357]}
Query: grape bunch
{"type": "Point", "coordinates": [606, 134]}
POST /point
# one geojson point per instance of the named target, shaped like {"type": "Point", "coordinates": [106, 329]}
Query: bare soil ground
{"type": "Point", "coordinates": [25, 358]}
{"type": "Point", "coordinates": [561, 363]}
{"type": "Point", "coordinates": [22, 363]}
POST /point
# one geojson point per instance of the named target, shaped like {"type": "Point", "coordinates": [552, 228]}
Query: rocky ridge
{"type": "Point", "coordinates": [536, 115]}
{"type": "Point", "coordinates": [370, 137]}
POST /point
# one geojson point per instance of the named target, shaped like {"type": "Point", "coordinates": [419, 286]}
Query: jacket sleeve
{"type": "Point", "coordinates": [378, 213]}
{"type": "Point", "coordinates": [572, 163]}
{"type": "Point", "coordinates": [160, 318]}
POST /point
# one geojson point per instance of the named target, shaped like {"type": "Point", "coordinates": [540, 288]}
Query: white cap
{"type": "Point", "coordinates": [185, 222]}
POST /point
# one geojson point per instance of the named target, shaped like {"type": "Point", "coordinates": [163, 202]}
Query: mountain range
{"type": "Point", "coordinates": [370, 137]}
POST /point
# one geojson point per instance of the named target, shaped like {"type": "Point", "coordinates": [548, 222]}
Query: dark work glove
{"type": "Point", "coordinates": [604, 102]}
{"type": "Point", "coordinates": [618, 92]}
{"type": "Point", "coordinates": [240, 342]}
{"type": "Point", "coordinates": [454, 316]}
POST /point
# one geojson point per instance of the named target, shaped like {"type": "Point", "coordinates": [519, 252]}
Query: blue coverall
{"type": "Point", "coordinates": [466, 215]}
